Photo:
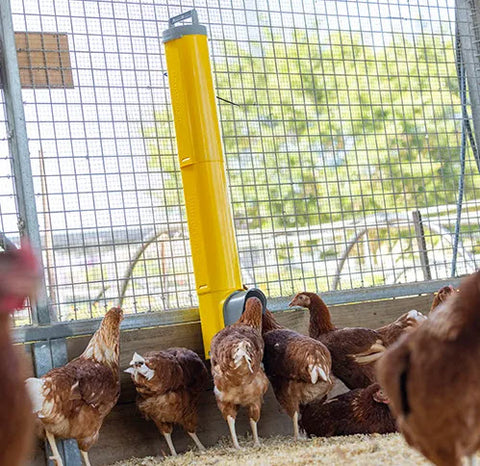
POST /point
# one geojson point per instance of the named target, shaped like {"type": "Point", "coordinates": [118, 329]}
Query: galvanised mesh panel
{"type": "Point", "coordinates": [342, 126]}
{"type": "Point", "coordinates": [108, 193]}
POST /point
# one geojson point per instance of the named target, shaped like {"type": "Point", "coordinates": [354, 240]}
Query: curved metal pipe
{"type": "Point", "coordinates": [128, 274]}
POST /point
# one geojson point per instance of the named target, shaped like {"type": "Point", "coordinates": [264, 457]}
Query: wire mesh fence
{"type": "Point", "coordinates": [342, 126]}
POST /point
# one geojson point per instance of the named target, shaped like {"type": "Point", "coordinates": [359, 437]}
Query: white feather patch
{"type": "Point", "coordinates": [146, 371]}
{"type": "Point", "coordinates": [34, 388]}
{"type": "Point", "coordinates": [218, 393]}
{"type": "Point", "coordinates": [241, 352]}
{"type": "Point", "coordinates": [418, 316]}
{"type": "Point", "coordinates": [137, 359]}
{"type": "Point", "coordinates": [317, 372]}
{"type": "Point", "coordinates": [322, 374]}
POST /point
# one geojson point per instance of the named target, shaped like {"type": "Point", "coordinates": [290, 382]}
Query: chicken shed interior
{"type": "Point", "coordinates": [125, 434]}
{"type": "Point", "coordinates": [167, 156]}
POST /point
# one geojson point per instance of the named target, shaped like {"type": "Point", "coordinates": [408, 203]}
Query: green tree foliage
{"type": "Point", "coordinates": [322, 128]}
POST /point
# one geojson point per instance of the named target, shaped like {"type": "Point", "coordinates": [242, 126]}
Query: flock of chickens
{"type": "Point", "coordinates": [417, 375]}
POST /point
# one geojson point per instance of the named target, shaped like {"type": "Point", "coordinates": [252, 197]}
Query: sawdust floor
{"type": "Point", "coordinates": [358, 450]}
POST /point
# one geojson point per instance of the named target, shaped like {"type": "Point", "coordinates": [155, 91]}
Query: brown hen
{"type": "Point", "coordinates": [359, 411]}
{"type": "Point", "coordinates": [354, 350]}
{"type": "Point", "coordinates": [432, 378]}
{"type": "Point", "coordinates": [72, 401]}
{"type": "Point", "coordinates": [441, 295]}
{"type": "Point", "coordinates": [236, 356]}
{"type": "Point", "coordinates": [297, 366]}
{"type": "Point", "coordinates": [19, 276]}
{"type": "Point", "coordinates": [168, 385]}
{"type": "Point", "coordinates": [405, 324]}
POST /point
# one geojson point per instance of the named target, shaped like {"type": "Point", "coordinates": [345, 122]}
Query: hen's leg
{"type": "Point", "coordinates": [53, 445]}
{"type": "Point", "coordinates": [295, 426]}
{"type": "Point", "coordinates": [253, 426]}
{"type": "Point", "coordinates": [189, 423]}
{"type": "Point", "coordinates": [166, 429]}
{"type": "Point", "coordinates": [254, 415]}
{"type": "Point", "coordinates": [168, 439]}
{"type": "Point", "coordinates": [229, 412]}
{"type": "Point", "coordinates": [197, 441]}
{"type": "Point", "coordinates": [86, 460]}
{"type": "Point", "coordinates": [472, 461]}
{"type": "Point", "coordinates": [233, 433]}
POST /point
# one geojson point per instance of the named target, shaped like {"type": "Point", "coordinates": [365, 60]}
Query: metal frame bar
{"type": "Point", "coordinates": [18, 143]}
{"type": "Point", "coordinates": [422, 244]}
{"type": "Point", "coordinates": [52, 353]}
{"type": "Point", "coordinates": [89, 326]}
{"type": "Point", "coordinates": [468, 19]}
{"type": "Point", "coordinates": [185, 316]}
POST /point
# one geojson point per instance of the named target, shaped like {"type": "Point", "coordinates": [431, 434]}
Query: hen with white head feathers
{"type": "Point", "coordinates": [169, 384]}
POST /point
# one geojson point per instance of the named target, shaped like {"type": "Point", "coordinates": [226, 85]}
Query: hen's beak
{"type": "Point", "coordinates": [292, 303]}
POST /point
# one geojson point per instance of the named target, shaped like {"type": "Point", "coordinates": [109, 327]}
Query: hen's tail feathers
{"type": "Point", "coordinates": [241, 355]}
{"type": "Point", "coordinates": [34, 388]}
{"type": "Point", "coordinates": [374, 353]}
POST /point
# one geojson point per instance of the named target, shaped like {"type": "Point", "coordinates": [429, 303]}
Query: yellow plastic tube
{"type": "Point", "coordinates": [209, 215]}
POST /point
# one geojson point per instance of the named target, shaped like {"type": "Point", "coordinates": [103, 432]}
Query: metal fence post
{"type": "Point", "coordinates": [18, 144]}
{"type": "Point", "coordinates": [468, 23]}
{"type": "Point", "coordinates": [52, 353]}
{"type": "Point", "coordinates": [422, 245]}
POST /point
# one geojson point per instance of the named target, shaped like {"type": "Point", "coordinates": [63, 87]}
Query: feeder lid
{"type": "Point", "coordinates": [176, 32]}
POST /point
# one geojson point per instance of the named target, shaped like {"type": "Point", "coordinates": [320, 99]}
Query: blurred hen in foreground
{"type": "Point", "coordinates": [432, 378]}
{"type": "Point", "coordinates": [19, 276]}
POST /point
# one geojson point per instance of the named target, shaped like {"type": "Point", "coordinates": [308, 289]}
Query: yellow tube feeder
{"type": "Point", "coordinates": [210, 220]}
